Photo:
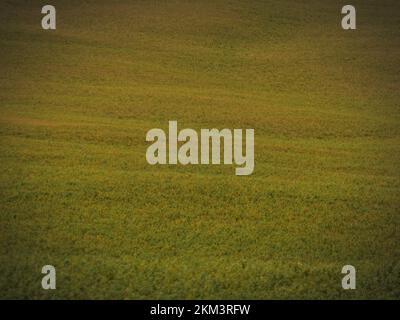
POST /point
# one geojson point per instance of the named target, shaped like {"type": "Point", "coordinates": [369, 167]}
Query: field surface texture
{"type": "Point", "coordinates": [76, 191]}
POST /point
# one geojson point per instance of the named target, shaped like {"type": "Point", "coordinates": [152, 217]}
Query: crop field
{"type": "Point", "coordinates": [76, 191]}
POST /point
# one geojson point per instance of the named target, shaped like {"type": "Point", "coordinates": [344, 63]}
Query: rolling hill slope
{"type": "Point", "coordinates": [77, 192]}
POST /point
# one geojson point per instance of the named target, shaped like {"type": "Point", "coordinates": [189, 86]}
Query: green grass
{"type": "Point", "coordinates": [77, 192]}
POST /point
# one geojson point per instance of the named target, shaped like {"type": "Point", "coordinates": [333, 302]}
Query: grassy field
{"type": "Point", "coordinates": [77, 192]}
